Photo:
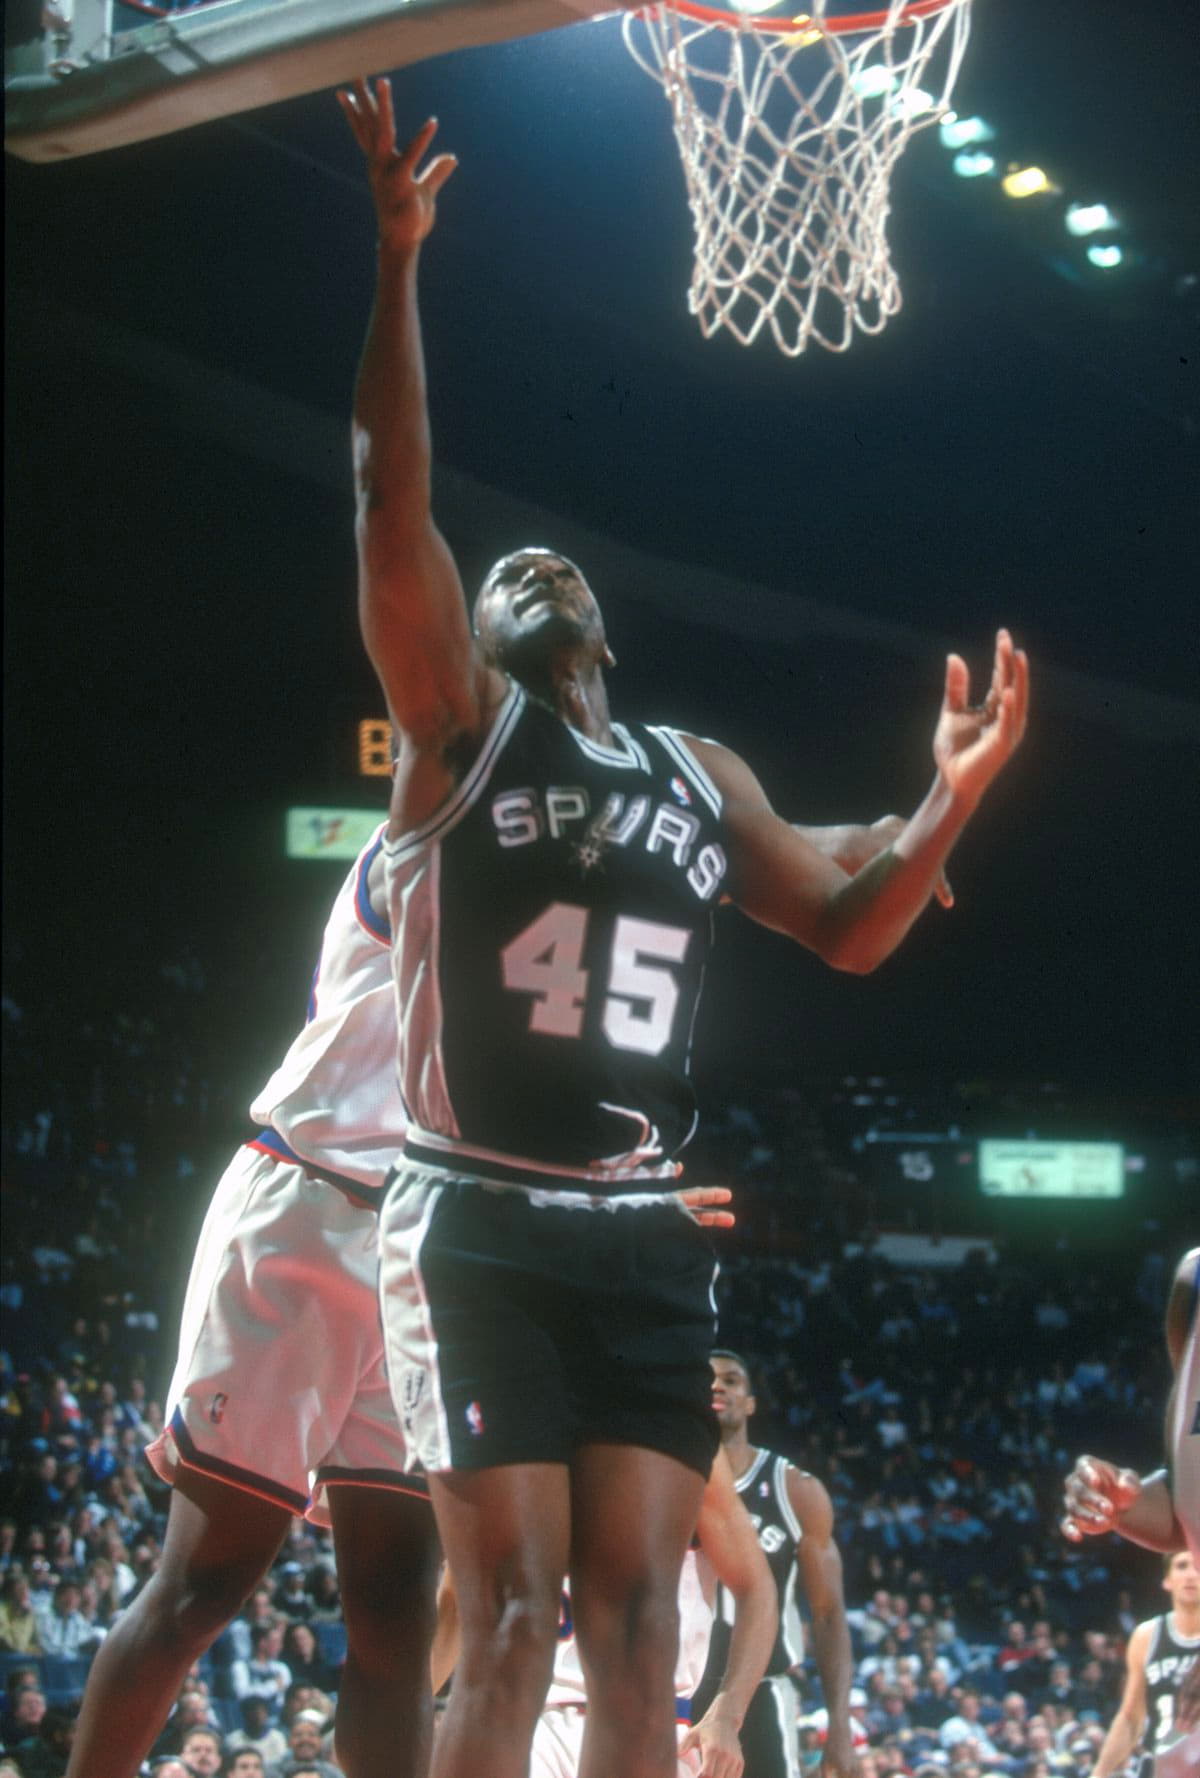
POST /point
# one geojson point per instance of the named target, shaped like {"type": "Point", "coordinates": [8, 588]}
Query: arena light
{"type": "Point", "coordinates": [960, 132]}
{"type": "Point", "coordinates": [1105, 257]}
{"type": "Point", "coordinates": [1025, 182]}
{"type": "Point", "coordinates": [873, 82]}
{"type": "Point", "coordinates": [973, 163]}
{"type": "Point", "coordinates": [1089, 219]}
{"type": "Point", "coordinates": [914, 102]}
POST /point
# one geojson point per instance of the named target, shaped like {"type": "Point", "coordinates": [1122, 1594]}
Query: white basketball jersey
{"type": "Point", "coordinates": [334, 1098]}
{"type": "Point", "coordinates": [1184, 1452]}
{"type": "Point", "coordinates": [697, 1590]}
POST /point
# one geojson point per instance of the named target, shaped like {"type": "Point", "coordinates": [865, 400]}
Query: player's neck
{"type": "Point", "coordinates": [1185, 1619]}
{"type": "Point", "coordinates": [740, 1452]}
{"type": "Point", "coordinates": [580, 698]}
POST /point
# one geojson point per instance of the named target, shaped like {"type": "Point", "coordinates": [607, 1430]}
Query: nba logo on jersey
{"type": "Point", "coordinates": [475, 1418]}
{"type": "Point", "coordinates": [216, 1412]}
{"type": "Point", "coordinates": [681, 793]}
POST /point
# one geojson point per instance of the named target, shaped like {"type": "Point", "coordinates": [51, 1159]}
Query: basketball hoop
{"type": "Point", "coordinates": [788, 129]}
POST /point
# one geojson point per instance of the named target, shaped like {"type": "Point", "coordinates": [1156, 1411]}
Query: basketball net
{"type": "Point", "coordinates": [789, 130]}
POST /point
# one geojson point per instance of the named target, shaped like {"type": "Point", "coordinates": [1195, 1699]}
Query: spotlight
{"type": "Point", "coordinates": [1089, 219]}
{"type": "Point", "coordinates": [1025, 182]}
{"type": "Point", "coordinates": [960, 132]}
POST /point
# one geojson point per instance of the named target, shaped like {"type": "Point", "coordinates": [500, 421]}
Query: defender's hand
{"type": "Point", "coordinates": [1095, 1494]}
{"type": "Point", "coordinates": [972, 743]}
{"type": "Point", "coordinates": [405, 200]}
{"type": "Point", "coordinates": [713, 1743]}
{"type": "Point", "coordinates": [701, 1201]}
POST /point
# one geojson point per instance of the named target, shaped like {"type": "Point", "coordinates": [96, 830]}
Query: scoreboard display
{"type": "Point", "coordinates": [1030, 1169]}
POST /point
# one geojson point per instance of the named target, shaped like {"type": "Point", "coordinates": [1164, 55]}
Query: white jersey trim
{"type": "Point", "coordinates": [468, 792]}
{"type": "Point", "coordinates": [690, 766]}
{"type": "Point", "coordinates": [629, 753]}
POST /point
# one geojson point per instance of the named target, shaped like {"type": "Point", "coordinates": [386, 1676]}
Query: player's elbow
{"type": "Point", "coordinates": [851, 953]}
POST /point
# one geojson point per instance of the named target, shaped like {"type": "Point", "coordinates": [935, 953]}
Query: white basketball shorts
{"type": "Point", "coordinates": [280, 1386]}
{"type": "Point", "coordinates": [558, 1742]}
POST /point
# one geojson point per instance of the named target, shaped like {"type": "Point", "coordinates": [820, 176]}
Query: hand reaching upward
{"type": "Point", "coordinates": [972, 742]}
{"type": "Point", "coordinates": [405, 200]}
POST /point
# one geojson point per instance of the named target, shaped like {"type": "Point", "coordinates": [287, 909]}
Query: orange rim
{"type": "Point", "coordinates": [845, 25]}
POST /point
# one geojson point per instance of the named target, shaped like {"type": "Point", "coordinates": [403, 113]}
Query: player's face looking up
{"type": "Point", "coordinates": [731, 1398]}
{"type": "Point", "coordinates": [535, 604]}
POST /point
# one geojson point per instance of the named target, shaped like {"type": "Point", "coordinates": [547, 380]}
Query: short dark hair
{"type": "Point", "coordinates": [735, 1358]}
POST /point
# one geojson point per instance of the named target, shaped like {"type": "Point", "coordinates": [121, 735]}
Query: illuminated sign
{"type": "Point", "coordinates": [330, 833]}
{"type": "Point", "coordinates": [1052, 1169]}
{"type": "Point", "coordinates": [375, 749]}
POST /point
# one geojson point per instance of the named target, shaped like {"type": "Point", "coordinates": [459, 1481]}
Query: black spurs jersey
{"type": "Point", "coordinates": [1172, 1740]}
{"type": "Point", "coordinates": [555, 919]}
{"type": "Point", "coordinates": [763, 1492]}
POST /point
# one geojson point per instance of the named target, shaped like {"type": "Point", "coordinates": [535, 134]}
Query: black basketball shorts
{"type": "Point", "coordinates": [520, 1324]}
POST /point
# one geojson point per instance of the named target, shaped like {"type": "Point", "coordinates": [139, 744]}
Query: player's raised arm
{"type": "Point", "coordinates": [854, 922]}
{"type": "Point", "coordinates": [820, 1564]}
{"type": "Point", "coordinates": [1126, 1725]}
{"type": "Point", "coordinates": [411, 606]}
{"type": "Point", "coordinates": [727, 1538]}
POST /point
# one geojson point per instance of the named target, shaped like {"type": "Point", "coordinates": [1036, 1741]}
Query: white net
{"type": "Point", "coordinates": [788, 137]}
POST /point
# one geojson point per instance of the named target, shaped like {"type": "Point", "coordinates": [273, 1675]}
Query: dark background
{"type": "Point", "coordinates": [1018, 447]}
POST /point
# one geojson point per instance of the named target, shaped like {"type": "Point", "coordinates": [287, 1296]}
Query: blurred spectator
{"type": "Point", "coordinates": [303, 1658]}
{"type": "Point", "coordinates": [305, 1741]}
{"type": "Point", "coordinates": [264, 1675]}
{"type": "Point", "coordinates": [63, 1629]}
{"type": "Point", "coordinates": [258, 1734]}
{"type": "Point", "coordinates": [200, 1752]}
{"type": "Point", "coordinates": [18, 1621]}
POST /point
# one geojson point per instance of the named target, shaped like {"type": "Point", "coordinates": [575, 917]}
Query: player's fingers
{"type": "Point", "coordinates": [716, 1219]}
{"type": "Point", "coordinates": [387, 114]}
{"type": "Point", "coordinates": [943, 891]}
{"type": "Point", "coordinates": [1021, 686]}
{"type": "Point", "coordinates": [958, 683]}
{"type": "Point", "coordinates": [412, 152]}
{"type": "Point", "coordinates": [437, 173]}
{"type": "Point", "coordinates": [350, 111]}
{"type": "Point", "coordinates": [696, 1195]}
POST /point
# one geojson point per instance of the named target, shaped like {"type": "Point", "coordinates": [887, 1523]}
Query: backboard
{"type": "Point", "coordinates": [81, 77]}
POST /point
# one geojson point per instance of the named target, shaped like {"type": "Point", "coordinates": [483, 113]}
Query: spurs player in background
{"type": "Point", "coordinates": [1162, 1686]}
{"type": "Point", "coordinates": [553, 876]}
{"type": "Point", "coordinates": [1159, 1511]}
{"type": "Point", "coordinates": [793, 1517]}
{"type": "Point", "coordinates": [724, 1552]}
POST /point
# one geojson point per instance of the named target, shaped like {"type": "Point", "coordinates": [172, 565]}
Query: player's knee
{"type": "Point", "coordinates": [515, 1640]}
{"type": "Point", "coordinates": [631, 1643]}
{"type": "Point", "coordinates": [190, 1607]}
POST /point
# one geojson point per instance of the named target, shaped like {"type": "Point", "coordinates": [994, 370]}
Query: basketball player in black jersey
{"type": "Point", "coordinates": [1162, 1686]}
{"type": "Point", "coordinates": [793, 1515]}
{"type": "Point", "coordinates": [547, 1305]}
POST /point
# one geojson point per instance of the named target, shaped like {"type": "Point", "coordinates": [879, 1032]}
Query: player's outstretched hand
{"type": "Point", "coordinates": [1095, 1494]}
{"type": "Point", "coordinates": [405, 199]}
{"type": "Point", "coordinates": [703, 1202]}
{"type": "Point", "coordinates": [973, 741]}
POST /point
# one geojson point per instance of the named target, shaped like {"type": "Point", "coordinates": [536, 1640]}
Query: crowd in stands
{"type": "Point", "coordinates": [941, 1403]}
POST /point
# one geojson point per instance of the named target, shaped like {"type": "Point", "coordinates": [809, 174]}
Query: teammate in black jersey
{"type": "Point", "coordinates": [547, 1305]}
{"type": "Point", "coordinates": [1162, 1686]}
{"type": "Point", "coordinates": [793, 1515]}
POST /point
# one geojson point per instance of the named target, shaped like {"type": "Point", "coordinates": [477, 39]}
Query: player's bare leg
{"type": "Point", "coordinates": [219, 1543]}
{"type": "Point", "coordinates": [633, 1513]}
{"type": "Point", "coordinates": [505, 1533]}
{"type": "Point", "coordinates": [387, 1558]}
